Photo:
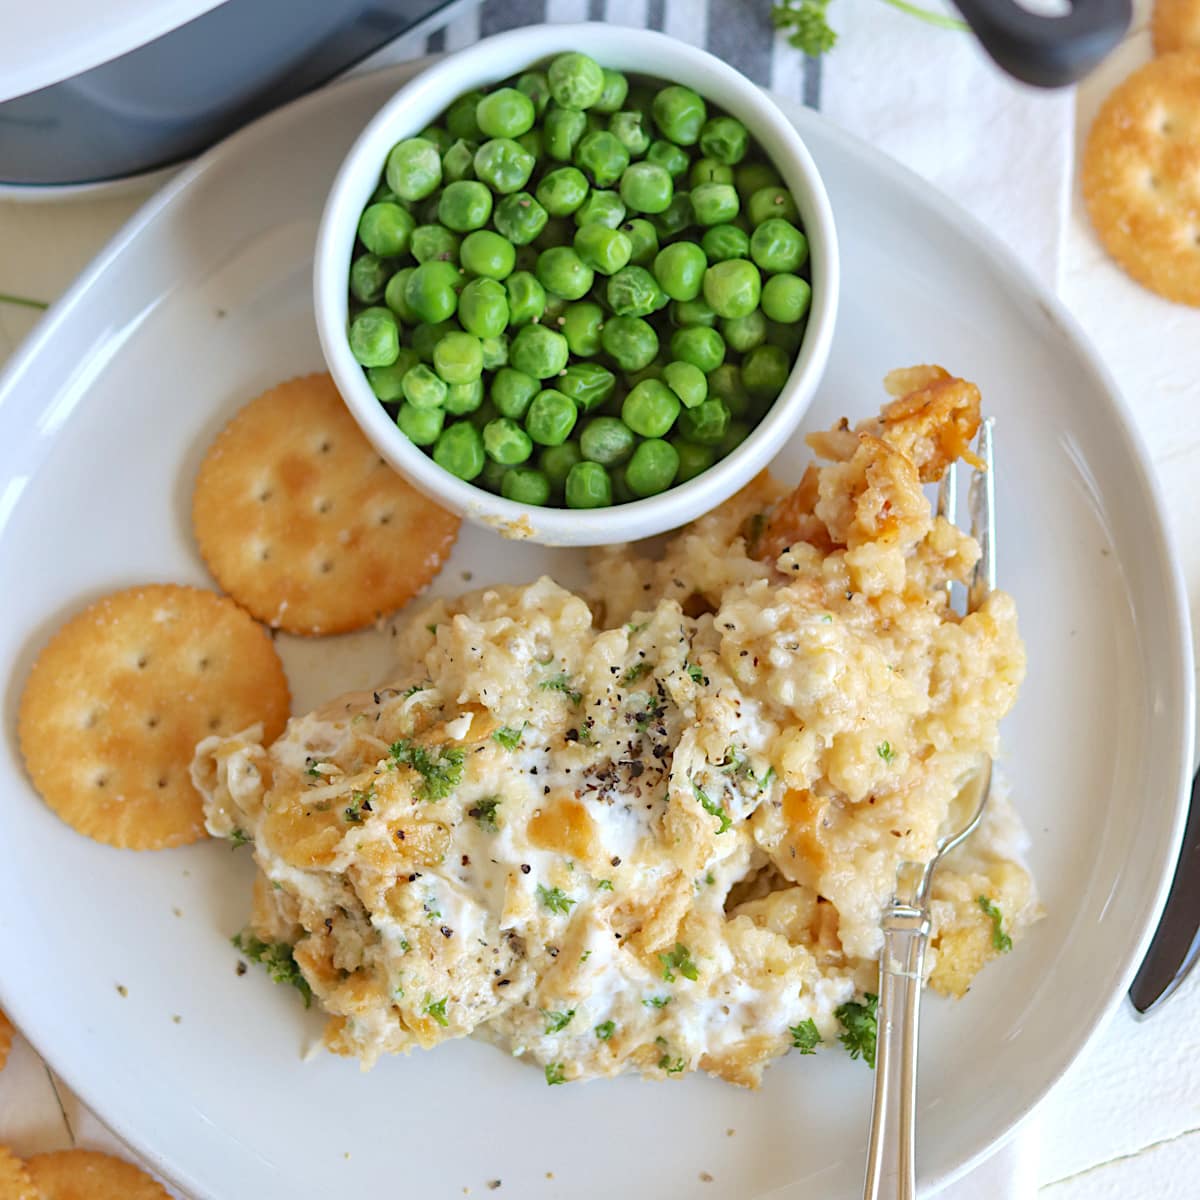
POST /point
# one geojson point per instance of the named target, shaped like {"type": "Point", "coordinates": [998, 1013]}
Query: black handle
{"type": "Point", "coordinates": [1047, 51]}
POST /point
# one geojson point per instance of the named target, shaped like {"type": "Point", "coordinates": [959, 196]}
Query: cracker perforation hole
{"type": "Point", "coordinates": [152, 722]}
{"type": "Point", "coordinates": [265, 494]}
{"type": "Point", "coordinates": [214, 723]}
{"type": "Point", "coordinates": [385, 518]}
{"type": "Point", "coordinates": [324, 446]}
{"type": "Point", "coordinates": [101, 780]}
{"type": "Point", "coordinates": [264, 552]}
{"type": "Point", "coordinates": [325, 567]}
{"type": "Point", "coordinates": [141, 661]}
{"type": "Point", "coordinates": [203, 663]}
{"type": "Point", "coordinates": [163, 781]}
{"type": "Point", "coordinates": [323, 505]}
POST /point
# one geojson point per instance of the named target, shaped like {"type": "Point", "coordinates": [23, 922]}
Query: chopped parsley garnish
{"type": "Point", "coordinates": [404, 946]}
{"type": "Point", "coordinates": [440, 767]}
{"type": "Point", "coordinates": [484, 812]}
{"type": "Point", "coordinates": [605, 1030]}
{"type": "Point", "coordinates": [708, 878]}
{"type": "Point", "coordinates": [561, 683]}
{"type": "Point", "coordinates": [314, 771]}
{"type": "Point", "coordinates": [408, 693]}
{"type": "Point", "coordinates": [360, 802]}
{"type": "Point", "coordinates": [859, 1027]}
{"type": "Point", "coordinates": [713, 807]}
{"type": "Point", "coordinates": [508, 737]}
{"type": "Point", "coordinates": [695, 673]}
{"type": "Point", "coordinates": [585, 956]}
{"type": "Point", "coordinates": [672, 1068]}
{"type": "Point", "coordinates": [555, 899]}
{"type": "Point", "coordinates": [885, 751]}
{"type": "Point", "coordinates": [1000, 940]}
{"type": "Point", "coordinates": [737, 764]}
{"type": "Point", "coordinates": [605, 885]}
{"type": "Point", "coordinates": [278, 959]}
{"type": "Point", "coordinates": [632, 628]}
{"type": "Point", "coordinates": [557, 1021]}
{"type": "Point", "coordinates": [657, 1001]}
{"type": "Point", "coordinates": [554, 1074]}
{"type": "Point", "coordinates": [239, 837]}
{"type": "Point", "coordinates": [649, 713]}
{"type": "Point", "coordinates": [437, 1010]}
{"type": "Point", "coordinates": [432, 628]}
{"type": "Point", "coordinates": [757, 524]}
{"type": "Point", "coordinates": [805, 1036]}
{"type": "Point", "coordinates": [679, 959]}
{"type": "Point", "coordinates": [637, 671]}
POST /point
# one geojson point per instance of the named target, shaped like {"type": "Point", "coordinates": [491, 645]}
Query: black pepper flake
{"type": "Point", "coordinates": [328, 924]}
{"type": "Point", "coordinates": [375, 697]}
{"type": "Point", "coordinates": [615, 860]}
{"type": "Point", "coordinates": [447, 932]}
{"type": "Point", "coordinates": [400, 834]}
{"type": "Point", "coordinates": [636, 769]}
{"type": "Point", "coordinates": [414, 877]}
{"type": "Point", "coordinates": [504, 983]}
{"type": "Point", "coordinates": [525, 868]}
{"type": "Point", "coordinates": [241, 967]}
{"type": "Point", "coordinates": [533, 770]}
{"type": "Point", "coordinates": [466, 860]}
{"type": "Point", "coordinates": [552, 951]}
{"type": "Point", "coordinates": [546, 791]}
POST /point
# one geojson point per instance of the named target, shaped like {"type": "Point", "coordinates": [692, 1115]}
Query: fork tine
{"type": "Point", "coordinates": [982, 502]}
{"type": "Point", "coordinates": [947, 507]}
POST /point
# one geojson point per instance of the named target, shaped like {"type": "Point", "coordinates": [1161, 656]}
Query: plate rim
{"type": "Point", "coordinates": [1018, 277]}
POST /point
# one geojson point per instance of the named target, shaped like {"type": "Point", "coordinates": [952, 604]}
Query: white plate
{"type": "Point", "coordinates": [202, 301]}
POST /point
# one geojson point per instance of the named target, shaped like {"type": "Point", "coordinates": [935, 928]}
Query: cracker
{"type": "Point", "coordinates": [302, 522]}
{"type": "Point", "coordinates": [15, 1183]}
{"type": "Point", "coordinates": [115, 704]}
{"type": "Point", "coordinates": [90, 1175]}
{"type": "Point", "coordinates": [6, 1039]}
{"type": "Point", "coordinates": [1176, 25]}
{"type": "Point", "coordinates": [1141, 176]}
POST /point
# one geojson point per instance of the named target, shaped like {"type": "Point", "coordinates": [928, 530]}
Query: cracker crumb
{"type": "Point", "coordinates": [177, 1019]}
{"type": "Point", "coordinates": [241, 970]}
{"type": "Point", "coordinates": [493, 1185]}
{"type": "Point", "coordinates": [730, 1132]}
{"type": "Point", "coordinates": [122, 990]}
{"type": "Point", "coordinates": [346, 1154]}
{"type": "Point", "coordinates": [177, 911]}
{"type": "Point", "coordinates": [705, 1177]}
{"type": "Point", "coordinates": [549, 1174]}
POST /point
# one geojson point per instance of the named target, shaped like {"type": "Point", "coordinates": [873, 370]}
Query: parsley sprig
{"type": "Point", "coordinates": [278, 959]}
{"type": "Point", "coordinates": [805, 1036]}
{"type": "Point", "coordinates": [679, 959]}
{"type": "Point", "coordinates": [809, 31]}
{"type": "Point", "coordinates": [440, 767]}
{"type": "Point", "coordinates": [484, 812]}
{"type": "Point", "coordinates": [859, 1027]}
{"type": "Point", "coordinates": [561, 683]}
{"type": "Point", "coordinates": [555, 899]}
{"type": "Point", "coordinates": [556, 1022]}
{"type": "Point", "coordinates": [1001, 942]}
{"type": "Point", "coordinates": [437, 1009]}
{"type": "Point", "coordinates": [508, 737]}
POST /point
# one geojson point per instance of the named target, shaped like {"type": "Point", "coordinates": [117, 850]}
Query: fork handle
{"type": "Point", "coordinates": [891, 1155]}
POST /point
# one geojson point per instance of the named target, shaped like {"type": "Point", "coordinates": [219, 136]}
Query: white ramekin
{"type": "Point", "coordinates": [635, 51]}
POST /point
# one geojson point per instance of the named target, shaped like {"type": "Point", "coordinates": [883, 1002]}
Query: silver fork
{"type": "Point", "coordinates": [891, 1154]}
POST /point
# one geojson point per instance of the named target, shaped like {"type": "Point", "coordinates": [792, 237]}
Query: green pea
{"type": "Point", "coordinates": [631, 341]}
{"type": "Point", "coordinates": [539, 352]}
{"type": "Point", "coordinates": [558, 232]}
{"type": "Point", "coordinates": [676, 217]}
{"type": "Point", "coordinates": [526, 298]}
{"type": "Point", "coordinates": [765, 370]}
{"type": "Point", "coordinates": [532, 142]}
{"type": "Point", "coordinates": [715, 203]}
{"type": "Point", "coordinates": [581, 326]}
{"type": "Point", "coordinates": [465, 205]}
{"type": "Point", "coordinates": [603, 156]}
{"type": "Point", "coordinates": [708, 170]}
{"type": "Point", "coordinates": [732, 288]}
{"type": "Point", "coordinates": [588, 385]}
{"type": "Point", "coordinates": [669, 156]}
{"type": "Point", "coordinates": [606, 440]}
{"type": "Point", "coordinates": [749, 177]}
{"type": "Point", "coordinates": [652, 468]}
{"type": "Point", "coordinates": [562, 132]}
{"type": "Point", "coordinates": [778, 246]}
{"type": "Point", "coordinates": [786, 298]}
{"type": "Point", "coordinates": [601, 248]}
{"type": "Point", "coordinates": [646, 187]}
{"type": "Point", "coordinates": [505, 113]}
{"type": "Point", "coordinates": [414, 168]}
{"type": "Point", "coordinates": [487, 253]}
{"type": "Point", "coordinates": [744, 333]}
{"type": "Point", "coordinates": [492, 475]}
{"type": "Point", "coordinates": [699, 345]}
{"type": "Point", "coordinates": [561, 271]}
{"type": "Point", "coordinates": [550, 418]}
{"type": "Point", "coordinates": [460, 117]}
{"type": "Point", "coordinates": [375, 337]}
{"type": "Point", "coordinates": [384, 195]}
{"type": "Point", "coordinates": [694, 459]}
{"type": "Point", "coordinates": [629, 128]}
{"type": "Point", "coordinates": [725, 384]}
{"type": "Point", "coordinates": [707, 423]}
{"type": "Point", "coordinates": [520, 218]}
{"type": "Point", "coordinates": [556, 463]}
{"type": "Point", "coordinates": [385, 229]}
{"type": "Point", "coordinates": [725, 139]}
{"type": "Point", "coordinates": [481, 416]}
{"type": "Point", "coordinates": [458, 162]}
{"type": "Point", "coordinates": [432, 291]}
{"type": "Point", "coordinates": [422, 388]}
{"type": "Point", "coordinates": [536, 86]}
{"type": "Point", "coordinates": [722, 242]}
{"type": "Point", "coordinates": [368, 278]}
{"type": "Point", "coordinates": [789, 336]}
{"type": "Point", "coordinates": [483, 308]}
{"type": "Point", "coordinates": [622, 493]}
{"type": "Point", "coordinates": [634, 292]}
{"type": "Point", "coordinates": [693, 312]}
{"type": "Point", "coordinates": [506, 442]}
{"type": "Point", "coordinates": [562, 191]}
{"type": "Point", "coordinates": [420, 425]}
{"type": "Point", "coordinates": [495, 351]}
{"type": "Point", "coordinates": [512, 392]}
{"type": "Point", "coordinates": [463, 398]}
{"type": "Point", "coordinates": [679, 269]}
{"type": "Point", "coordinates": [687, 381]}
{"type": "Point", "coordinates": [576, 81]}
{"type": "Point", "coordinates": [387, 382]}
{"type": "Point", "coordinates": [616, 88]}
{"type": "Point", "coordinates": [643, 241]}
{"type": "Point", "coordinates": [441, 138]}
{"type": "Point", "coordinates": [425, 337]}
{"type": "Point", "coordinates": [525, 485]}
{"type": "Point", "coordinates": [650, 408]}
{"type": "Point", "coordinates": [458, 358]}
{"type": "Point", "coordinates": [434, 243]}
{"type": "Point", "coordinates": [459, 450]}
{"type": "Point", "coordinates": [737, 433]}
{"type": "Point", "coordinates": [770, 202]}
{"type": "Point", "coordinates": [588, 486]}
{"type": "Point", "coordinates": [679, 114]}
{"type": "Point", "coordinates": [600, 208]}
{"type": "Point", "coordinates": [504, 165]}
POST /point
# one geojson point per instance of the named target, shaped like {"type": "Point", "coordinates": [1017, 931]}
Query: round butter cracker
{"type": "Point", "coordinates": [1176, 25]}
{"type": "Point", "coordinates": [302, 522]}
{"type": "Point", "coordinates": [116, 702]}
{"type": "Point", "coordinates": [15, 1182]}
{"type": "Point", "coordinates": [90, 1175]}
{"type": "Point", "coordinates": [1141, 176]}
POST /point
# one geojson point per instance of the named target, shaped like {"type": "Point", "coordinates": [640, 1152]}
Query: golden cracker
{"type": "Point", "coordinates": [116, 702]}
{"type": "Point", "coordinates": [1141, 176]}
{"type": "Point", "coordinates": [302, 522]}
{"type": "Point", "coordinates": [1176, 25]}
{"type": "Point", "coordinates": [6, 1039]}
{"type": "Point", "coordinates": [15, 1183]}
{"type": "Point", "coordinates": [90, 1175]}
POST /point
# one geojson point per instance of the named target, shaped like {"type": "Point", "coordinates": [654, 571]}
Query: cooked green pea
{"type": "Point", "coordinates": [581, 326]}
{"type": "Point", "coordinates": [601, 248]}
{"type": "Point", "coordinates": [533, 142]}
{"type": "Point", "coordinates": [562, 132]}
{"type": "Point", "coordinates": [432, 291]}
{"type": "Point", "coordinates": [629, 128]}
{"type": "Point", "coordinates": [505, 113]}
{"type": "Point", "coordinates": [693, 459]}
{"type": "Point", "coordinates": [725, 139]}
{"type": "Point", "coordinates": [465, 205]}
{"type": "Point", "coordinates": [536, 86]}
{"type": "Point", "coordinates": [441, 138]}
{"type": "Point", "coordinates": [434, 243]}
{"type": "Point", "coordinates": [777, 245]}
{"type": "Point", "coordinates": [385, 229]}
{"type": "Point", "coordinates": [556, 463]}
{"type": "Point", "coordinates": [725, 384]}
{"type": "Point", "coordinates": [384, 195]}
{"type": "Point", "coordinates": [715, 203]}
{"type": "Point", "coordinates": [679, 114]}
{"type": "Point", "coordinates": [631, 341]}
{"type": "Point", "coordinates": [722, 242]}
{"type": "Point", "coordinates": [506, 442]}
{"type": "Point", "coordinates": [687, 381]}
{"type": "Point", "coordinates": [561, 271]}
{"type": "Point", "coordinates": [668, 156]}
{"type": "Point", "coordinates": [375, 337]}
{"type": "Point", "coordinates": [770, 202]}
{"type": "Point", "coordinates": [650, 408]}
{"type": "Point", "coordinates": [708, 170]}
{"type": "Point", "coordinates": [786, 298]}
{"type": "Point", "coordinates": [387, 382]}
{"type": "Point", "coordinates": [603, 156]}
{"type": "Point", "coordinates": [699, 345]}
{"type": "Point", "coordinates": [422, 388]}
{"type": "Point", "coordinates": [550, 418]}
{"type": "Point", "coordinates": [744, 333]}
{"type": "Point", "coordinates": [749, 177]}
{"type": "Point", "coordinates": [558, 232]}
{"type": "Point", "coordinates": [495, 351]}
{"type": "Point", "coordinates": [589, 385]}
{"type": "Point", "coordinates": [676, 217]}
{"type": "Point", "coordinates": [679, 269]}
{"type": "Point", "coordinates": [420, 425]}
{"type": "Point", "coordinates": [512, 392]}
{"type": "Point", "coordinates": [764, 371]}
{"type": "Point", "coordinates": [600, 208]}
{"type": "Point", "coordinates": [787, 335]}
{"type": "Point", "coordinates": [504, 165]}
{"type": "Point", "coordinates": [520, 218]}
{"type": "Point", "coordinates": [487, 253]}
{"type": "Point", "coordinates": [707, 423]}
{"type": "Point", "coordinates": [525, 485]}
{"type": "Point", "coordinates": [693, 312]}
{"type": "Point", "coordinates": [588, 486]}
{"type": "Point", "coordinates": [460, 117]}
{"type": "Point", "coordinates": [483, 308]}
{"type": "Point", "coordinates": [492, 475]}
{"type": "Point", "coordinates": [616, 88]}
{"type": "Point", "coordinates": [463, 398]}
{"type": "Point", "coordinates": [576, 81]}
{"type": "Point", "coordinates": [562, 191]}
{"type": "Point", "coordinates": [458, 162]}
{"type": "Point", "coordinates": [606, 440]}
{"type": "Point", "coordinates": [732, 288]}
{"type": "Point", "coordinates": [539, 352]}
{"type": "Point", "coordinates": [652, 468]}
{"type": "Point", "coordinates": [458, 358]}
{"type": "Point", "coordinates": [526, 298]}
{"type": "Point", "coordinates": [622, 493]}
{"type": "Point", "coordinates": [425, 337]}
{"type": "Point", "coordinates": [646, 187]}
{"type": "Point", "coordinates": [368, 277]}
{"type": "Point", "coordinates": [459, 450]}
{"type": "Point", "coordinates": [634, 292]}
{"type": "Point", "coordinates": [643, 241]}
{"type": "Point", "coordinates": [414, 168]}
